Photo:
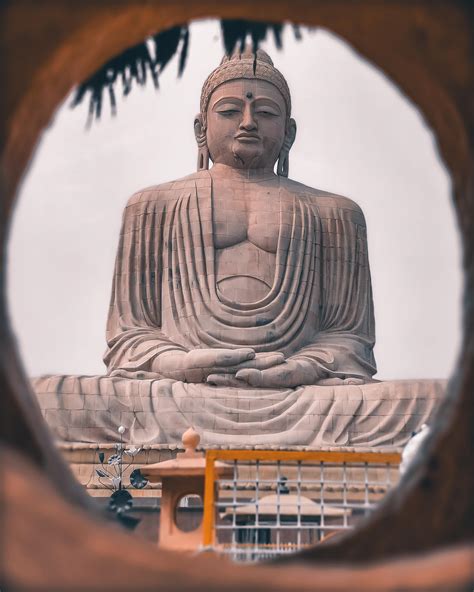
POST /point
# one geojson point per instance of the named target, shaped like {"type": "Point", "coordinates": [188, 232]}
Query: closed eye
{"type": "Point", "coordinates": [228, 112]}
{"type": "Point", "coordinates": [267, 113]}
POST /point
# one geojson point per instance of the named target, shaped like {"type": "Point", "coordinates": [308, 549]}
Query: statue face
{"type": "Point", "coordinates": [246, 121]}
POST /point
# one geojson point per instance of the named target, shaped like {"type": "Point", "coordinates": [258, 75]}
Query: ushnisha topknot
{"type": "Point", "coordinates": [244, 65]}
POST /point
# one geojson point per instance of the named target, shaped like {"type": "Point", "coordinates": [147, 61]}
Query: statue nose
{"type": "Point", "coordinates": [248, 122]}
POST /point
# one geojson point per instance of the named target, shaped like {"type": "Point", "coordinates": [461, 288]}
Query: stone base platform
{"type": "Point", "coordinates": [89, 409]}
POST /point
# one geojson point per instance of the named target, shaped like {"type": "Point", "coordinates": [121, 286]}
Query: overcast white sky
{"type": "Point", "coordinates": [357, 135]}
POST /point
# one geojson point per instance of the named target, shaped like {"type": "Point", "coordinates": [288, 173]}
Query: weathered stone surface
{"type": "Point", "coordinates": [159, 411]}
{"type": "Point", "coordinates": [239, 276]}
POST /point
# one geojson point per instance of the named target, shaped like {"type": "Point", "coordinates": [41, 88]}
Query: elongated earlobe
{"type": "Point", "coordinates": [203, 159]}
{"type": "Point", "coordinates": [203, 151]}
{"type": "Point", "coordinates": [283, 166]}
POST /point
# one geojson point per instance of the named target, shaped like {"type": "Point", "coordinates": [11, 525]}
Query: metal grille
{"type": "Point", "coordinates": [269, 503]}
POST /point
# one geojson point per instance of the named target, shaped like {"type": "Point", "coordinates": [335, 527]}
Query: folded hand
{"type": "Point", "coordinates": [216, 366]}
{"type": "Point", "coordinates": [289, 374]}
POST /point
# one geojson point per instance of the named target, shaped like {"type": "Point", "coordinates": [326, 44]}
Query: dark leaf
{"type": "Point", "coordinates": [184, 51]}
{"type": "Point", "coordinates": [258, 32]}
{"type": "Point", "coordinates": [154, 76]}
{"type": "Point", "coordinates": [137, 479]}
{"type": "Point", "coordinates": [101, 457]}
{"type": "Point", "coordinates": [113, 102]}
{"type": "Point", "coordinates": [234, 33]}
{"type": "Point", "coordinates": [166, 44]}
{"type": "Point", "coordinates": [81, 90]}
{"type": "Point", "coordinates": [98, 103]}
{"type": "Point", "coordinates": [297, 32]}
{"type": "Point", "coordinates": [102, 473]}
{"type": "Point", "coordinates": [277, 33]}
{"type": "Point", "coordinates": [126, 83]}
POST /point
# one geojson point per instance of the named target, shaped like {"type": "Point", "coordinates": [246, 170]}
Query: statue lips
{"type": "Point", "coordinates": [247, 138]}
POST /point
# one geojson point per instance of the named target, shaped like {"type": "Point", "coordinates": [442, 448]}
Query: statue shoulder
{"type": "Point", "coordinates": [168, 190]}
{"type": "Point", "coordinates": [325, 200]}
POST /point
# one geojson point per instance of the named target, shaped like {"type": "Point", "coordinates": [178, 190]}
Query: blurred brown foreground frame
{"type": "Point", "coordinates": [423, 533]}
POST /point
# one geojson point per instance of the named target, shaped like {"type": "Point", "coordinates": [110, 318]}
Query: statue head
{"type": "Point", "coordinates": [245, 118]}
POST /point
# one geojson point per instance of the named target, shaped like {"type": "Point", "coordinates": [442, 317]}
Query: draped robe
{"type": "Point", "coordinates": [165, 297]}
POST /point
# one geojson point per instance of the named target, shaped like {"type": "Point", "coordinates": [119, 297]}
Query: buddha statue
{"type": "Point", "coordinates": [236, 275]}
{"type": "Point", "coordinates": [241, 300]}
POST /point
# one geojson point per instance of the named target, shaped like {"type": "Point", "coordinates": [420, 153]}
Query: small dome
{"type": "Point", "coordinates": [190, 439]}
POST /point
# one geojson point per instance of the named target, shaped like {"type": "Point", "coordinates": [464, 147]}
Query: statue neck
{"type": "Point", "coordinates": [225, 171]}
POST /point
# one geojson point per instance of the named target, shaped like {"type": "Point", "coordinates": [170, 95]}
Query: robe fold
{"type": "Point", "coordinates": [165, 296]}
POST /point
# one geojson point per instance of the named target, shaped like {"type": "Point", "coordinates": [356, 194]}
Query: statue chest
{"type": "Point", "coordinates": [246, 226]}
{"type": "Point", "coordinates": [251, 213]}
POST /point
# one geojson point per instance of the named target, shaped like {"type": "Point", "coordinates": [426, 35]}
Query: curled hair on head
{"type": "Point", "coordinates": [248, 65]}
